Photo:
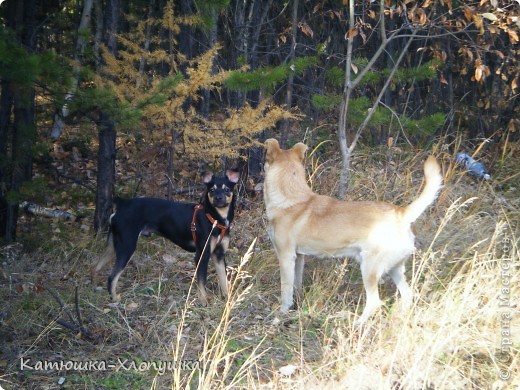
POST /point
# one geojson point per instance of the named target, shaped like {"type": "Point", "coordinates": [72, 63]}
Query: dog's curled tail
{"type": "Point", "coordinates": [433, 177]}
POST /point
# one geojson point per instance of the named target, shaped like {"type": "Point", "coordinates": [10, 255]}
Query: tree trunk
{"type": "Point", "coordinates": [106, 169]}
{"type": "Point", "coordinates": [105, 172]}
{"type": "Point", "coordinates": [290, 82]}
{"type": "Point", "coordinates": [112, 23]}
{"type": "Point", "coordinates": [186, 34]}
{"type": "Point", "coordinates": [343, 110]}
{"type": "Point", "coordinates": [212, 40]}
{"type": "Point", "coordinates": [256, 17]}
{"type": "Point", "coordinates": [6, 104]}
{"type": "Point", "coordinates": [84, 24]}
{"type": "Point", "coordinates": [98, 36]}
{"type": "Point", "coordinates": [148, 41]}
{"type": "Point", "coordinates": [240, 47]}
{"type": "Point", "coordinates": [350, 84]}
{"type": "Point", "coordinates": [19, 97]}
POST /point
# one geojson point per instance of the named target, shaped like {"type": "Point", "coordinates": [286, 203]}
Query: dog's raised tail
{"type": "Point", "coordinates": [433, 177]}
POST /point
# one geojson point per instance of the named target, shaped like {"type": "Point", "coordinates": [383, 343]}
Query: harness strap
{"type": "Point", "coordinates": [223, 228]}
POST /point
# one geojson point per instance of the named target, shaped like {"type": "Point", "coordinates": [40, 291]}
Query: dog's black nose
{"type": "Point", "coordinates": [220, 199]}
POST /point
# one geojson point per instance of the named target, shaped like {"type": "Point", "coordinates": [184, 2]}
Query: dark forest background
{"type": "Point", "coordinates": [106, 97]}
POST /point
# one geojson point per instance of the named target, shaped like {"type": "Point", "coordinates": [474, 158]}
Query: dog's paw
{"type": "Point", "coordinates": [287, 305]}
{"type": "Point", "coordinates": [285, 319]}
{"type": "Point", "coordinates": [362, 320]}
{"type": "Point", "coordinates": [116, 298]}
{"type": "Point", "coordinates": [406, 305]}
{"type": "Point", "coordinates": [359, 323]}
{"type": "Point", "coordinates": [113, 304]}
{"type": "Point", "coordinates": [285, 308]}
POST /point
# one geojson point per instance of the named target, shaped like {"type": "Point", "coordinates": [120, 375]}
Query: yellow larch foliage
{"type": "Point", "coordinates": [163, 105]}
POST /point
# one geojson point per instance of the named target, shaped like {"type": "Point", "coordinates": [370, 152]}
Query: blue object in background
{"type": "Point", "coordinates": [474, 167]}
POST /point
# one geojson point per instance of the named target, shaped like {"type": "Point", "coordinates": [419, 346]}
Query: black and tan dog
{"type": "Point", "coordinates": [201, 228]}
{"type": "Point", "coordinates": [377, 234]}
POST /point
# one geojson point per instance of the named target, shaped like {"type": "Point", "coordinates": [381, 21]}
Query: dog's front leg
{"type": "Point", "coordinates": [287, 272]}
{"type": "Point", "coordinates": [220, 266]}
{"type": "Point", "coordinates": [202, 260]}
{"type": "Point", "coordinates": [218, 254]}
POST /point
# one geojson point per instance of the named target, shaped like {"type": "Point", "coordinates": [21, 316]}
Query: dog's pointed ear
{"type": "Point", "coordinates": [300, 149]}
{"type": "Point", "coordinates": [233, 175]}
{"type": "Point", "coordinates": [206, 177]}
{"type": "Point", "coordinates": [273, 149]}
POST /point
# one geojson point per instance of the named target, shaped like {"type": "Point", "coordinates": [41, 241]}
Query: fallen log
{"type": "Point", "coordinates": [35, 209]}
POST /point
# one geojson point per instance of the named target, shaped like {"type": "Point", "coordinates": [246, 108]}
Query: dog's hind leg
{"type": "Point", "coordinates": [397, 275]}
{"type": "Point", "coordinates": [371, 273]}
{"type": "Point", "coordinates": [298, 277]}
{"type": "Point", "coordinates": [124, 248]}
{"type": "Point", "coordinates": [108, 255]}
{"type": "Point", "coordinates": [112, 283]}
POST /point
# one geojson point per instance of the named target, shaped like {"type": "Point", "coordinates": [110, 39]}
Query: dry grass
{"type": "Point", "coordinates": [455, 336]}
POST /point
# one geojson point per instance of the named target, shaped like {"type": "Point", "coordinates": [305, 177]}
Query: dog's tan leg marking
{"type": "Point", "coordinates": [202, 294]}
{"type": "Point", "coordinates": [397, 275]}
{"type": "Point", "coordinates": [108, 255]}
{"type": "Point", "coordinates": [298, 276]}
{"type": "Point", "coordinates": [220, 266]}
{"type": "Point", "coordinates": [113, 293]}
{"type": "Point", "coordinates": [371, 275]}
{"type": "Point", "coordinates": [287, 271]}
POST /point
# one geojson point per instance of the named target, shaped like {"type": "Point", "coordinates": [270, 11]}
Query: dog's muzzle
{"type": "Point", "coordinates": [220, 203]}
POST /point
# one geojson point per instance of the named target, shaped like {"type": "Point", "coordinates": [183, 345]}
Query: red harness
{"type": "Point", "coordinates": [213, 221]}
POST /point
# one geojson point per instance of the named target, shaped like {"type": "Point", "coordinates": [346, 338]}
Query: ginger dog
{"type": "Point", "coordinates": [377, 234]}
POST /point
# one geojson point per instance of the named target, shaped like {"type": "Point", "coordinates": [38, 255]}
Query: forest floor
{"type": "Point", "coordinates": [462, 332]}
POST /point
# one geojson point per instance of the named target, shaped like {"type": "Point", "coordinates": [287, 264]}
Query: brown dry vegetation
{"type": "Point", "coordinates": [454, 337]}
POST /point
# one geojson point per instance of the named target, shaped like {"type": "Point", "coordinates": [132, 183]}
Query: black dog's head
{"type": "Point", "coordinates": [220, 189]}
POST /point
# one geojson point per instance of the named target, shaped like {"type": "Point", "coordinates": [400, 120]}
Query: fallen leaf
{"type": "Point", "coordinates": [513, 36]}
{"type": "Point", "coordinates": [305, 28]}
{"type": "Point", "coordinates": [489, 16]}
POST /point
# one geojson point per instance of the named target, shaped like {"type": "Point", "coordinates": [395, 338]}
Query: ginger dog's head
{"type": "Point", "coordinates": [285, 181]}
{"type": "Point", "coordinates": [275, 153]}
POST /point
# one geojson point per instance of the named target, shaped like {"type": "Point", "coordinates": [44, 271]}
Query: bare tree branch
{"type": "Point", "coordinates": [72, 324]}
